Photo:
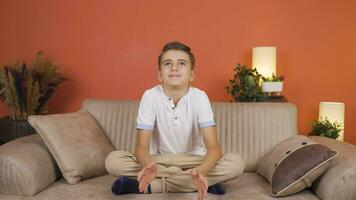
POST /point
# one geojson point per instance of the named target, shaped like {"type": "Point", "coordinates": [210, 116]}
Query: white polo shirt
{"type": "Point", "coordinates": [176, 129]}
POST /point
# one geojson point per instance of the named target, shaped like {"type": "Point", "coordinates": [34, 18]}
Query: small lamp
{"type": "Point", "coordinates": [334, 111]}
{"type": "Point", "coordinates": [264, 60]}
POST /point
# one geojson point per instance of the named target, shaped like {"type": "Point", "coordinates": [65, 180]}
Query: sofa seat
{"type": "Point", "coordinates": [248, 186]}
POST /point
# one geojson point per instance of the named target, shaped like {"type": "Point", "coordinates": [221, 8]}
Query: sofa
{"type": "Point", "coordinates": [28, 171]}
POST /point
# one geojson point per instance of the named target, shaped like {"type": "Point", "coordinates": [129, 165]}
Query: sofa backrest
{"type": "Point", "coordinates": [249, 129]}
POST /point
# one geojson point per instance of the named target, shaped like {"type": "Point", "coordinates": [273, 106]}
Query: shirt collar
{"type": "Point", "coordinates": [168, 98]}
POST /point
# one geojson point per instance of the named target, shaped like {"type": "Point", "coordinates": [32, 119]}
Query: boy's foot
{"type": "Point", "coordinates": [124, 185]}
{"type": "Point", "coordinates": [216, 189]}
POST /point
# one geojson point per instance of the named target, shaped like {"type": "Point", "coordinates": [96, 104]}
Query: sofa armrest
{"type": "Point", "coordinates": [26, 166]}
{"type": "Point", "coordinates": [339, 181]}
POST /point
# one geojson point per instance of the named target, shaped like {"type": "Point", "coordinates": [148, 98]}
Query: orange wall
{"type": "Point", "coordinates": [109, 48]}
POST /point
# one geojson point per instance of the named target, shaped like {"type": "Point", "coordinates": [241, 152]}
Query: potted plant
{"type": "Point", "coordinates": [272, 85]}
{"type": "Point", "coordinates": [26, 92]}
{"type": "Point", "coordinates": [324, 127]}
{"type": "Point", "coordinates": [245, 85]}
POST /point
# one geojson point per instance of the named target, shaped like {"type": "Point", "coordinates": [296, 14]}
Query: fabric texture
{"type": "Point", "coordinates": [294, 164]}
{"type": "Point", "coordinates": [176, 128]}
{"type": "Point", "coordinates": [172, 174]}
{"type": "Point", "coordinates": [26, 166]}
{"type": "Point", "coordinates": [248, 186]}
{"type": "Point", "coordinates": [77, 143]}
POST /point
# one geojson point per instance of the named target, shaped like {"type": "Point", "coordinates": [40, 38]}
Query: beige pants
{"type": "Point", "coordinates": [171, 174]}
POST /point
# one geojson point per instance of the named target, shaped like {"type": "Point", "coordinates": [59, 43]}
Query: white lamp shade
{"type": "Point", "coordinates": [334, 111]}
{"type": "Point", "coordinates": [264, 60]}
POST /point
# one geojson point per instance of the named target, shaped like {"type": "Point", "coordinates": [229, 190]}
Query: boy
{"type": "Point", "coordinates": [177, 149]}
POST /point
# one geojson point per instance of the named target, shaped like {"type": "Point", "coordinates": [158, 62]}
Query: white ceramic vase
{"type": "Point", "coordinates": [272, 86]}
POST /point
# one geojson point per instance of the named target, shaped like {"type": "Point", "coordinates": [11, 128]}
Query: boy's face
{"type": "Point", "coordinates": [175, 69]}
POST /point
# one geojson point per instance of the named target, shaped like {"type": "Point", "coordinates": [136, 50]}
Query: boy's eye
{"type": "Point", "coordinates": [182, 63]}
{"type": "Point", "coordinates": [166, 64]}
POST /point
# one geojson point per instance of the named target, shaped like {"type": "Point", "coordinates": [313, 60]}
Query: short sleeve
{"type": "Point", "coordinates": [205, 112]}
{"type": "Point", "coordinates": [146, 115]}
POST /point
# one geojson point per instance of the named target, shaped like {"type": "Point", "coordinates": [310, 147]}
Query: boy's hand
{"type": "Point", "coordinates": [146, 175]}
{"type": "Point", "coordinates": [200, 183]}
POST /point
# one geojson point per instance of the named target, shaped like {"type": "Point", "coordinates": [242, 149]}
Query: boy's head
{"type": "Point", "coordinates": [176, 65]}
{"type": "Point", "coordinates": [179, 47]}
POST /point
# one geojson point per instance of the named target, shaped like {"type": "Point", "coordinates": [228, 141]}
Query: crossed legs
{"type": "Point", "coordinates": [171, 169]}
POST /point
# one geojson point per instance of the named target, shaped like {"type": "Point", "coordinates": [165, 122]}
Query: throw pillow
{"type": "Point", "coordinates": [293, 164]}
{"type": "Point", "coordinates": [76, 142]}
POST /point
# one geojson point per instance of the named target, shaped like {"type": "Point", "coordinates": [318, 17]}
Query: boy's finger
{"type": "Point", "coordinates": [199, 189]}
{"type": "Point", "coordinates": [143, 181]}
{"type": "Point", "coordinates": [140, 174]}
{"type": "Point", "coordinates": [203, 188]}
{"type": "Point", "coordinates": [202, 191]}
{"type": "Point", "coordinates": [200, 194]}
{"type": "Point", "coordinates": [205, 184]}
{"type": "Point", "coordinates": [140, 186]}
{"type": "Point", "coordinates": [143, 187]}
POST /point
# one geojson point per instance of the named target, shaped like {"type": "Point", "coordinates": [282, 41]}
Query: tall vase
{"type": "Point", "coordinates": [11, 129]}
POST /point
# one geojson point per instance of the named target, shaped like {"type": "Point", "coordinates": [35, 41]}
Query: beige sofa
{"type": "Point", "coordinates": [28, 171]}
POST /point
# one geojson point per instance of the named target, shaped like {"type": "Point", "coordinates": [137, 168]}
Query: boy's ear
{"type": "Point", "coordinates": [192, 75]}
{"type": "Point", "coordinates": [159, 76]}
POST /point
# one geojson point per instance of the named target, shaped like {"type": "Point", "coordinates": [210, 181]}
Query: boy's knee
{"type": "Point", "coordinates": [114, 162]}
{"type": "Point", "coordinates": [235, 164]}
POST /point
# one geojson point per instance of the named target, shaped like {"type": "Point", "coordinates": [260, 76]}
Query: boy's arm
{"type": "Point", "coordinates": [213, 150]}
{"type": "Point", "coordinates": [149, 168]}
{"type": "Point", "coordinates": [143, 147]}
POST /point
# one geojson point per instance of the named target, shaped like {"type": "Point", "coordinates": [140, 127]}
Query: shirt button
{"type": "Point", "coordinates": [173, 108]}
{"type": "Point", "coordinates": [176, 118]}
{"type": "Point", "coordinates": [169, 99]}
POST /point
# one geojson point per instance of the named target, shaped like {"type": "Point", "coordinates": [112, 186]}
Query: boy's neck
{"type": "Point", "coordinates": [175, 92]}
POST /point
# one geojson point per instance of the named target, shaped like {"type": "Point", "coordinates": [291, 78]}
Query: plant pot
{"type": "Point", "coordinates": [12, 129]}
{"type": "Point", "coordinates": [272, 86]}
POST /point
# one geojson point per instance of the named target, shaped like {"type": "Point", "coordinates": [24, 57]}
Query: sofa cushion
{"type": "Point", "coordinates": [26, 166]}
{"type": "Point", "coordinates": [77, 143]}
{"type": "Point", "coordinates": [293, 164]}
{"type": "Point", "coordinates": [339, 182]}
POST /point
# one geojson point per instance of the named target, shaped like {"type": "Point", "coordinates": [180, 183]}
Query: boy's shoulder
{"type": "Point", "coordinates": [196, 92]}
{"type": "Point", "coordinates": [154, 91]}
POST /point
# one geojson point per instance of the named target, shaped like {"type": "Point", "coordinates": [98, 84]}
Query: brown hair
{"type": "Point", "coordinates": [175, 45]}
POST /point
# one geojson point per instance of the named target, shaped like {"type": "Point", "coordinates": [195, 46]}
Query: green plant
{"type": "Point", "coordinates": [324, 127]}
{"type": "Point", "coordinates": [245, 85]}
{"type": "Point", "coordinates": [26, 91]}
{"type": "Point", "coordinates": [274, 78]}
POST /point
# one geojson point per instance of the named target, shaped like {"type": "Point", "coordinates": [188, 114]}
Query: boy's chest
{"type": "Point", "coordinates": [183, 113]}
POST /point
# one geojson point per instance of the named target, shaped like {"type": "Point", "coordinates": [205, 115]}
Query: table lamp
{"type": "Point", "coordinates": [264, 60]}
{"type": "Point", "coordinates": [334, 111]}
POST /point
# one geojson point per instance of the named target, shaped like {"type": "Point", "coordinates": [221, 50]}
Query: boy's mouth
{"type": "Point", "coordinates": [174, 76]}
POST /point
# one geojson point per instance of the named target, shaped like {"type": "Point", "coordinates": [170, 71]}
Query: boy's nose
{"type": "Point", "coordinates": [174, 68]}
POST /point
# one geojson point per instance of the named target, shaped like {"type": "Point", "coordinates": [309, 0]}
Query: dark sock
{"type": "Point", "coordinates": [216, 189]}
{"type": "Point", "coordinates": [124, 185]}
